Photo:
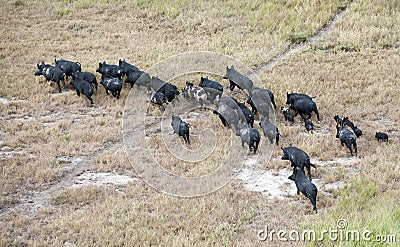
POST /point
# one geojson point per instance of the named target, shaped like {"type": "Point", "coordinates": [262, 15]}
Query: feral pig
{"type": "Point", "coordinates": [286, 114]}
{"type": "Point", "coordinates": [237, 80]}
{"type": "Point", "coordinates": [158, 85]}
{"type": "Point", "coordinates": [212, 88]}
{"type": "Point", "coordinates": [298, 158]}
{"type": "Point", "coordinates": [82, 86]}
{"type": "Point", "coordinates": [155, 84]}
{"type": "Point", "coordinates": [357, 131]}
{"type": "Point", "coordinates": [132, 77]}
{"type": "Point", "coordinates": [68, 67]}
{"type": "Point", "coordinates": [110, 69]}
{"type": "Point", "coordinates": [263, 94]}
{"type": "Point", "coordinates": [347, 122]}
{"type": "Point", "coordinates": [251, 103]}
{"type": "Point", "coordinates": [227, 100]}
{"type": "Point", "coordinates": [302, 104]}
{"type": "Point", "coordinates": [127, 68]}
{"type": "Point", "coordinates": [158, 98]}
{"type": "Point", "coordinates": [181, 128]}
{"type": "Point", "coordinates": [348, 137]}
{"type": "Point", "coordinates": [170, 91]}
{"type": "Point", "coordinates": [196, 93]}
{"type": "Point", "coordinates": [308, 124]}
{"type": "Point", "coordinates": [249, 115]}
{"type": "Point", "coordinates": [380, 136]}
{"type": "Point", "coordinates": [86, 76]}
{"type": "Point", "coordinates": [228, 117]}
{"type": "Point", "coordinates": [305, 186]}
{"type": "Point", "coordinates": [51, 73]}
{"type": "Point", "coordinates": [338, 120]}
{"type": "Point", "coordinates": [262, 107]}
{"type": "Point", "coordinates": [291, 97]}
{"type": "Point", "coordinates": [250, 136]}
{"type": "Point", "coordinates": [143, 80]}
{"type": "Point", "coordinates": [112, 84]}
{"type": "Point", "coordinates": [269, 130]}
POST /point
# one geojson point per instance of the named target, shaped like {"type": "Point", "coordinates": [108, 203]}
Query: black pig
{"type": "Point", "coordinates": [298, 159]}
{"type": "Point", "coordinates": [181, 128]}
{"type": "Point", "coordinates": [110, 69]}
{"type": "Point", "coordinates": [68, 67]}
{"type": "Point", "coordinates": [87, 76]}
{"type": "Point", "coordinates": [212, 88]}
{"type": "Point", "coordinates": [348, 137]}
{"type": "Point", "coordinates": [269, 130]}
{"type": "Point", "coordinates": [112, 84]}
{"type": "Point", "coordinates": [305, 186]}
{"type": "Point", "coordinates": [82, 86]}
{"type": "Point", "coordinates": [380, 136]}
{"type": "Point", "coordinates": [51, 73]}
{"type": "Point", "coordinates": [237, 80]}
{"type": "Point", "coordinates": [250, 136]}
{"type": "Point", "coordinates": [127, 68]}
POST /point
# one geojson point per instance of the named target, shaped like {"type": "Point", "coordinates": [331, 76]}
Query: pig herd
{"type": "Point", "coordinates": [232, 113]}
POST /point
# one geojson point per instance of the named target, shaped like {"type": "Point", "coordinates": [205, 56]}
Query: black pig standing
{"type": "Point", "coordinates": [51, 73]}
{"type": "Point", "coordinates": [305, 186]}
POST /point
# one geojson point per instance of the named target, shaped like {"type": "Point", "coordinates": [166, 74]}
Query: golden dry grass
{"type": "Point", "coordinates": [353, 71]}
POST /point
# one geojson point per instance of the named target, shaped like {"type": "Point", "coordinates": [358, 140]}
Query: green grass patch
{"type": "Point", "coordinates": [364, 216]}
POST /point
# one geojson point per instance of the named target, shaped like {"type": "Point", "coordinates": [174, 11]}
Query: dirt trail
{"type": "Point", "coordinates": [295, 47]}
{"type": "Point", "coordinates": [30, 204]}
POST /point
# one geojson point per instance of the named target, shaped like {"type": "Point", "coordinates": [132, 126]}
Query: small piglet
{"type": "Point", "coordinates": [308, 124]}
{"type": "Point", "coordinates": [250, 136]}
{"type": "Point", "coordinates": [287, 115]}
{"type": "Point", "coordinates": [305, 187]}
{"type": "Point", "coordinates": [380, 136]}
{"type": "Point", "coordinates": [112, 84]}
{"type": "Point", "coordinates": [347, 122]}
{"type": "Point", "coordinates": [357, 131]}
{"type": "Point", "coordinates": [181, 128]}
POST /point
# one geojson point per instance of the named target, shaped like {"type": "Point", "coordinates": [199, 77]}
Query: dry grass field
{"type": "Point", "coordinates": [65, 178]}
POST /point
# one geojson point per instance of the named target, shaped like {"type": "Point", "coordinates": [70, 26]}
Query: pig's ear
{"type": "Point", "coordinates": [283, 150]}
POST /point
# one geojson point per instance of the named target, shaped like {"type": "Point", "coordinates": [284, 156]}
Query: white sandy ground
{"type": "Point", "coordinates": [275, 183]}
{"type": "Point", "coordinates": [89, 178]}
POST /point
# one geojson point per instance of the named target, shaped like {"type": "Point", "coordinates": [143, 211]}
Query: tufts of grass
{"type": "Point", "coordinates": [352, 72]}
{"type": "Point", "coordinates": [367, 203]}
